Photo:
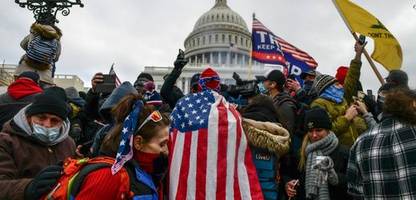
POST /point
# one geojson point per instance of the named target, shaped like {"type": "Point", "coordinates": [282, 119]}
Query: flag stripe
{"type": "Point", "coordinates": [231, 147]}
{"type": "Point", "coordinates": [201, 170]}
{"type": "Point", "coordinates": [255, 190]}
{"type": "Point", "coordinates": [184, 168]}
{"type": "Point", "coordinates": [212, 149]}
{"type": "Point", "coordinates": [242, 172]}
{"type": "Point", "coordinates": [222, 151]}
{"type": "Point", "coordinates": [236, 185]}
{"type": "Point", "coordinates": [175, 164]}
{"type": "Point", "coordinates": [192, 166]}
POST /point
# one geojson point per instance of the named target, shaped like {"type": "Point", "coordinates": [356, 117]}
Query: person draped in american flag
{"type": "Point", "coordinates": [209, 156]}
{"type": "Point", "coordinates": [138, 141]}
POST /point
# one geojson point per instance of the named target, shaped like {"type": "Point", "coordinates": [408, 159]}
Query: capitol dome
{"type": "Point", "coordinates": [220, 38]}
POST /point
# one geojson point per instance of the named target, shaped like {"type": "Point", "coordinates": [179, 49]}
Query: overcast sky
{"type": "Point", "coordinates": [138, 33]}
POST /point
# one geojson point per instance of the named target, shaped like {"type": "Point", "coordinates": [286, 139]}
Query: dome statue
{"type": "Point", "coordinates": [220, 38]}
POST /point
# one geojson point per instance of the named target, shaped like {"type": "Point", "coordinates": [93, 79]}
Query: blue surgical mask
{"type": "Point", "coordinates": [262, 89]}
{"type": "Point", "coordinates": [44, 134]}
{"type": "Point", "coordinates": [333, 93]}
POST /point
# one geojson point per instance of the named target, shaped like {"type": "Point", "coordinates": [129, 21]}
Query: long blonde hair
{"type": "Point", "coordinates": [302, 152]}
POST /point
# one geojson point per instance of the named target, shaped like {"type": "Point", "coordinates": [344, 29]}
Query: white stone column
{"type": "Point", "coordinates": [229, 58]}
{"type": "Point", "coordinates": [236, 58]}
{"type": "Point", "coordinates": [203, 59]}
{"type": "Point", "coordinates": [187, 85]}
{"type": "Point", "coordinates": [219, 59]}
{"type": "Point", "coordinates": [211, 58]}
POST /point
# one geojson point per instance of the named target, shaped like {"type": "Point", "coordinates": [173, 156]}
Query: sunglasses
{"type": "Point", "coordinates": [155, 116]}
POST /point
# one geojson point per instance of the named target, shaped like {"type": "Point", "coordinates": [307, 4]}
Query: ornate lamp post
{"type": "Point", "coordinates": [45, 10]}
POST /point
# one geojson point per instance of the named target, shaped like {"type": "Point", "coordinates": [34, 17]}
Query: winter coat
{"type": "Point", "coordinates": [169, 92]}
{"type": "Point", "coordinates": [19, 94]}
{"type": "Point", "coordinates": [268, 142]}
{"type": "Point", "coordinates": [286, 110]}
{"type": "Point", "coordinates": [346, 131]}
{"type": "Point", "coordinates": [102, 184]}
{"type": "Point", "coordinates": [22, 156]}
{"type": "Point", "coordinates": [339, 192]}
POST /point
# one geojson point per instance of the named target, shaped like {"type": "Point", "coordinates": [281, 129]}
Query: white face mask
{"type": "Point", "coordinates": [44, 134]}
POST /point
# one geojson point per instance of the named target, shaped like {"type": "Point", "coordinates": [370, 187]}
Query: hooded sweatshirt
{"type": "Point", "coordinates": [22, 156]}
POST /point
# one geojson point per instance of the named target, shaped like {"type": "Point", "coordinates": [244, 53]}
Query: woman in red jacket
{"type": "Point", "coordinates": [138, 142]}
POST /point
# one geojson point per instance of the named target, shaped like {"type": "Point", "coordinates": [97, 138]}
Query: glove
{"type": "Point", "coordinates": [180, 61]}
{"type": "Point", "coordinates": [43, 182]}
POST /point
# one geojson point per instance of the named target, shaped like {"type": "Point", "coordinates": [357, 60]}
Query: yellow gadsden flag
{"type": "Point", "coordinates": [387, 50]}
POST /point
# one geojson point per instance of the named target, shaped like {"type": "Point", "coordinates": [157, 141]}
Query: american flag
{"type": "Point", "coordinates": [209, 156]}
{"type": "Point", "coordinates": [125, 149]}
{"type": "Point", "coordinates": [113, 73]}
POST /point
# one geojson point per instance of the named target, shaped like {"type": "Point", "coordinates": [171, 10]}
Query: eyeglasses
{"type": "Point", "coordinates": [155, 116]}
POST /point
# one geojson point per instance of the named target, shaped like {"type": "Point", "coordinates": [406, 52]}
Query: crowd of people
{"type": "Point", "coordinates": [322, 139]}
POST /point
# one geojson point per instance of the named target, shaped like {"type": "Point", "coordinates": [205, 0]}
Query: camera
{"type": "Point", "coordinates": [244, 88]}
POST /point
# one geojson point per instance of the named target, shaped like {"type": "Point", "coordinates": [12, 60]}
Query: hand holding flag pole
{"type": "Point", "coordinates": [370, 61]}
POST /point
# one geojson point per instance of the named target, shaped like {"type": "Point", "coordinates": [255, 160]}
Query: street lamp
{"type": "Point", "coordinates": [45, 10]}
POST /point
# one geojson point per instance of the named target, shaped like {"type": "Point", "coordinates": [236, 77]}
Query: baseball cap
{"type": "Point", "coordinates": [273, 75]}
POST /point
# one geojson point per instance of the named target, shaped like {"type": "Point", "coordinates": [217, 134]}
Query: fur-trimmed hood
{"type": "Point", "coordinates": [46, 31]}
{"type": "Point", "coordinates": [267, 135]}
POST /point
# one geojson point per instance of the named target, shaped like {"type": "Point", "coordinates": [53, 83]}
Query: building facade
{"type": "Point", "coordinates": [61, 80]}
{"type": "Point", "coordinates": [220, 39]}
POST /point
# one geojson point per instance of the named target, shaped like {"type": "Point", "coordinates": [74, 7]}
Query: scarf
{"type": "Point", "coordinates": [333, 93]}
{"type": "Point", "coordinates": [22, 88]}
{"type": "Point", "coordinates": [319, 174]}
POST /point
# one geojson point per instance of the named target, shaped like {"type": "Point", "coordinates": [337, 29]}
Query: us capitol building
{"type": "Point", "coordinates": [220, 39]}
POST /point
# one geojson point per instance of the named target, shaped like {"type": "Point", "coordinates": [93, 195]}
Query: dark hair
{"type": "Point", "coordinates": [399, 104]}
{"type": "Point", "coordinates": [120, 111]}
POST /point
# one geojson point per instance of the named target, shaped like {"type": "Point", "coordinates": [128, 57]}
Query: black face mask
{"type": "Point", "coordinates": [160, 167]}
{"type": "Point", "coordinates": [307, 85]}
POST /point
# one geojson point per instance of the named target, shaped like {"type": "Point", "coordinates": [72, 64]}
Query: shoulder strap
{"type": "Point", "coordinates": [136, 186]}
{"type": "Point", "coordinates": [78, 180]}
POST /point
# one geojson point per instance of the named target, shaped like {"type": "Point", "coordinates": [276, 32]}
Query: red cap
{"type": "Point", "coordinates": [341, 74]}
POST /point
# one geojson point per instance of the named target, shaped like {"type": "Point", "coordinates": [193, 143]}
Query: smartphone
{"type": "Point", "coordinates": [108, 84]}
{"type": "Point", "coordinates": [361, 39]}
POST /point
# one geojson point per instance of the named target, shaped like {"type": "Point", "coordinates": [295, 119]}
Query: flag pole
{"type": "Point", "coordinates": [370, 61]}
{"type": "Point", "coordinates": [250, 60]}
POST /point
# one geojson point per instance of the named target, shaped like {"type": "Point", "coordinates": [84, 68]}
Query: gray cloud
{"type": "Point", "coordinates": [137, 33]}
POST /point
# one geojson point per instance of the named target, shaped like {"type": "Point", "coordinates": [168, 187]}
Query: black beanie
{"type": "Point", "coordinates": [317, 118]}
{"type": "Point", "coordinates": [51, 101]}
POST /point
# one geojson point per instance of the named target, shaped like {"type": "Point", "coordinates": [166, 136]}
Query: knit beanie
{"type": "Point", "coordinates": [322, 82]}
{"type": "Point", "coordinates": [42, 50]}
{"type": "Point", "coordinates": [153, 98]}
{"type": "Point", "coordinates": [73, 96]}
{"type": "Point", "coordinates": [317, 118]}
{"type": "Point", "coordinates": [51, 101]}
{"type": "Point", "coordinates": [30, 75]}
{"type": "Point", "coordinates": [341, 74]}
{"type": "Point", "coordinates": [146, 76]}
{"type": "Point", "coordinates": [398, 77]}
{"type": "Point", "coordinates": [209, 79]}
